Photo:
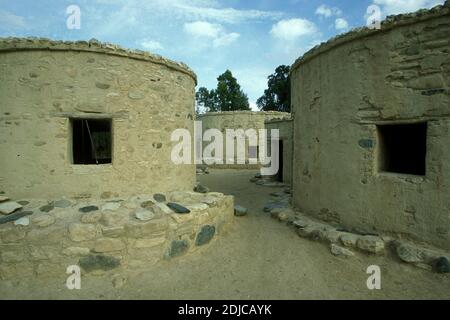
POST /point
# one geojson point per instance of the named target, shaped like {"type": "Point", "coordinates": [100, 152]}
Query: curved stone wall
{"type": "Point", "coordinates": [44, 84]}
{"type": "Point", "coordinates": [108, 235]}
{"type": "Point", "coordinates": [237, 120]}
{"type": "Point", "coordinates": [344, 91]}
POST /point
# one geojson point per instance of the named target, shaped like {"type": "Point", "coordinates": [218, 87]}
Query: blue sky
{"type": "Point", "coordinates": [251, 37]}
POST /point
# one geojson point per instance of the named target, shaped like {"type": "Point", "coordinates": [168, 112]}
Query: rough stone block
{"type": "Point", "coordinates": [113, 232]}
{"type": "Point", "coordinates": [76, 251]}
{"type": "Point", "coordinates": [149, 243]}
{"type": "Point", "coordinates": [44, 252]}
{"type": "Point", "coordinates": [92, 263]}
{"type": "Point", "coordinates": [349, 239]}
{"type": "Point", "coordinates": [178, 248]}
{"type": "Point", "coordinates": [11, 235]}
{"type": "Point", "coordinates": [205, 235]}
{"type": "Point", "coordinates": [108, 245]}
{"type": "Point", "coordinates": [114, 219]}
{"type": "Point", "coordinates": [408, 253]}
{"type": "Point", "coordinates": [9, 207]}
{"type": "Point", "coordinates": [147, 229]}
{"type": "Point", "coordinates": [48, 235]}
{"type": "Point", "coordinates": [43, 220]}
{"type": "Point", "coordinates": [340, 251]}
{"type": "Point", "coordinates": [91, 218]}
{"type": "Point", "coordinates": [82, 232]}
{"type": "Point", "coordinates": [371, 244]}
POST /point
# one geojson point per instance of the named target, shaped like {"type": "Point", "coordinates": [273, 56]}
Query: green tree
{"type": "Point", "coordinates": [229, 95]}
{"type": "Point", "coordinates": [206, 99]}
{"type": "Point", "coordinates": [277, 97]}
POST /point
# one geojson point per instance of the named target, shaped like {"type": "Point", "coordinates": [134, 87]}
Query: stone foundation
{"type": "Point", "coordinates": [108, 235]}
{"type": "Point", "coordinates": [347, 243]}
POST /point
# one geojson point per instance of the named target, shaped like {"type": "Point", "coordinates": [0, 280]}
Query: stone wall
{"type": "Point", "coordinates": [237, 120]}
{"type": "Point", "coordinates": [285, 129]}
{"type": "Point", "coordinates": [45, 83]}
{"type": "Point", "coordinates": [342, 92]}
{"type": "Point", "coordinates": [102, 236]}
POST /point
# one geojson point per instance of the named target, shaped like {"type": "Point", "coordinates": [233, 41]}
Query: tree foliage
{"type": "Point", "coordinates": [206, 99]}
{"type": "Point", "coordinates": [277, 96]}
{"type": "Point", "coordinates": [228, 96]}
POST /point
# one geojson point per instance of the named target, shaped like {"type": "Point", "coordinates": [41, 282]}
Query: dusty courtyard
{"type": "Point", "coordinates": [257, 258]}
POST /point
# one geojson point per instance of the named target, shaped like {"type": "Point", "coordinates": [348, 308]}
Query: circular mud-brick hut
{"type": "Point", "coordinates": [87, 119]}
{"type": "Point", "coordinates": [237, 120]}
{"type": "Point", "coordinates": [371, 128]}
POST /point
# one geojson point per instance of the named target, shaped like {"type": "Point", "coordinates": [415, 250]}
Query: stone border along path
{"type": "Point", "coordinates": [342, 242]}
{"type": "Point", "coordinates": [105, 235]}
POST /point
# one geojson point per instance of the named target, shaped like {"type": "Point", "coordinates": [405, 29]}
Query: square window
{"type": "Point", "coordinates": [403, 148]}
{"type": "Point", "coordinates": [91, 141]}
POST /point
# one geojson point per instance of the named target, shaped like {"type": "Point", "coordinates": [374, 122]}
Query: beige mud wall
{"type": "Point", "coordinates": [44, 83]}
{"type": "Point", "coordinates": [285, 130]}
{"type": "Point", "coordinates": [237, 120]}
{"type": "Point", "coordinates": [341, 91]}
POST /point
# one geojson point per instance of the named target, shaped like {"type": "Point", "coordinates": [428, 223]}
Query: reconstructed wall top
{"type": "Point", "coordinates": [238, 120]}
{"type": "Point", "coordinates": [342, 92]}
{"type": "Point", "coordinates": [44, 84]}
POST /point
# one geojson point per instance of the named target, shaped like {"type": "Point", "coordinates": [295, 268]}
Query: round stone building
{"type": "Point", "coordinates": [372, 128]}
{"type": "Point", "coordinates": [236, 120]}
{"type": "Point", "coordinates": [86, 119]}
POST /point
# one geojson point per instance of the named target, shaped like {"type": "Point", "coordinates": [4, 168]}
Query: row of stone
{"type": "Point", "coordinates": [105, 240]}
{"type": "Point", "coordinates": [342, 242]}
{"type": "Point", "coordinates": [15, 212]}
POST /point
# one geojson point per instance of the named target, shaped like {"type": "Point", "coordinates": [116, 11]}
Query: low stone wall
{"type": "Point", "coordinates": [107, 235]}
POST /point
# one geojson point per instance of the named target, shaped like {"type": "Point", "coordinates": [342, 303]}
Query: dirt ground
{"type": "Point", "coordinates": [257, 258]}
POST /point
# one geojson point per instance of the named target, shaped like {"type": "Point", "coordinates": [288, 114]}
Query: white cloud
{"type": "Point", "coordinates": [192, 10]}
{"type": "Point", "coordinates": [253, 81]}
{"type": "Point", "coordinates": [293, 29]}
{"type": "Point", "coordinates": [216, 32]}
{"type": "Point", "coordinates": [341, 24]}
{"type": "Point", "coordinates": [389, 7]}
{"type": "Point", "coordinates": [203, 29]}
{"type": "Point", "coordinates": [327, 11]}
{"type": "Point", "coordinates": [226, 39]}
{"type": "Point", "coordinates": [228, 15]}
{"type": "Point", "coordinates": [151, 45]}
{"type": "Point", "coordinates": [11, 20]}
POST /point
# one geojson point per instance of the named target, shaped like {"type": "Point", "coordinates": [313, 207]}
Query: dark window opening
{"type": "Point", "coordinates": [403, 148]}
{"type": "Point", "coordinates": [91, 141]}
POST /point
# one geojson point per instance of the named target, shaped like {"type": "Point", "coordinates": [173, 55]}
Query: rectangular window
{"type": "Point", "coordinates": [403, 148]}
{"type": "Point", "coordinates": [253, 152]}
{"type": "Point", "coordinates": [91, 141]}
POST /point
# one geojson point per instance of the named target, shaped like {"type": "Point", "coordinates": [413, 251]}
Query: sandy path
{"type": "Point", "coordinates": [257, 258]}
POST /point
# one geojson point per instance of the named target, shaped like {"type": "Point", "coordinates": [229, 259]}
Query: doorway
{"type": "Point", "coordinates": [279, 176]}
